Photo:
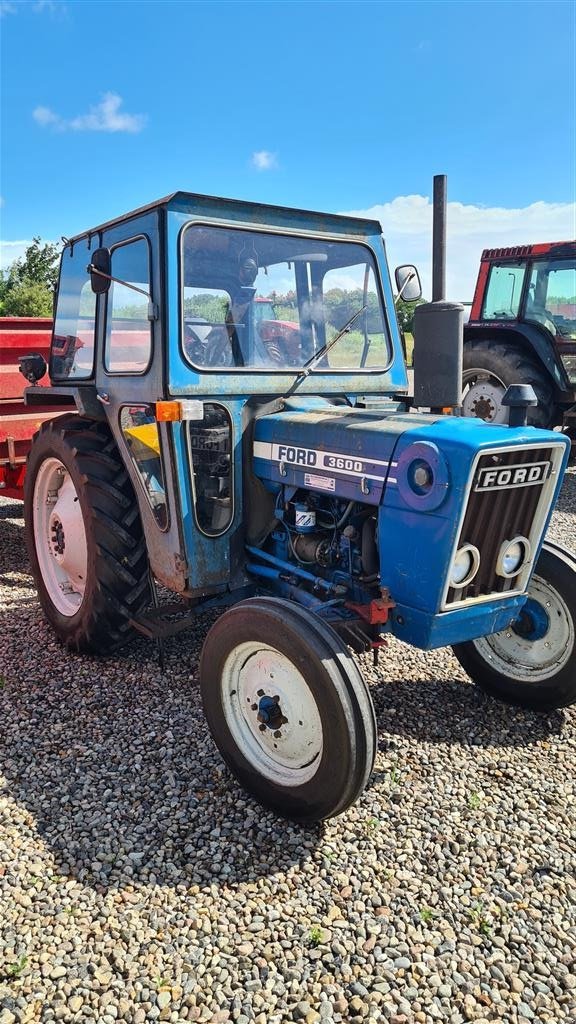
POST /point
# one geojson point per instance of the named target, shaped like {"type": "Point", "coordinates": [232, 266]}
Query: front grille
{"type": "Point", "coordinates": [509, 497]}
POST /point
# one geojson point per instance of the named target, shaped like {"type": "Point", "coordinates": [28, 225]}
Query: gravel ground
{"type": "Point", "coordinates": [139, 882]}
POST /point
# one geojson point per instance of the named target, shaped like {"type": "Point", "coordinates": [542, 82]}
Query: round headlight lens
{"type": "Point", "coordinates": [464, 566]}
{"type": "Point", "coordinates": [513, 556]}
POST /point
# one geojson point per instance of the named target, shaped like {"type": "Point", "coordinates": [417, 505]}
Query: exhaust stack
{"type": "Point", "coordinates": [438, 326]}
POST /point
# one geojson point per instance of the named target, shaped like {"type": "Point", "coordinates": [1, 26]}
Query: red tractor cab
{"type": "Point", "coordinates": [522, 330]}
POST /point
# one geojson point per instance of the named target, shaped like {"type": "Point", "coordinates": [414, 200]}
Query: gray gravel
{"type": "Point", "coordinates": [138, 882]}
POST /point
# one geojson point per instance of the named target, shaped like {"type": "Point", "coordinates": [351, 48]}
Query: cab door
{"type": "Point", "coordinates": [129, 382]}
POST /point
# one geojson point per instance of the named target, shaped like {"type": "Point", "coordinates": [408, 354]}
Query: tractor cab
{"type": "Point", "coordinates": [181, 322]}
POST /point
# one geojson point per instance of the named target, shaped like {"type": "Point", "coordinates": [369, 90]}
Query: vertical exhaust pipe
{"type": "Point", "coordinates": [438, 326]}
{"type": "Point", "coordinates": [439, 238]}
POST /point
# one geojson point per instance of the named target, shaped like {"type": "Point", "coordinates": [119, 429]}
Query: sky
{"type": "Point", "coordinates": [335, 106]}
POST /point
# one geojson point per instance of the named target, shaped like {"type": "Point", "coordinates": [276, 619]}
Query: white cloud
{"type": "Point", "coordinates": [10, 251]}
{"type": "Point", "coordinates": [52, 7]}
{"type": "Point", "coordinates": [407, 227]}
{"type": "Point", "coordinates": [263, 160]}
{"type": "Point", "coordinates": [45, 116]}
{"type": "Point", "coordinates": [103, 117]}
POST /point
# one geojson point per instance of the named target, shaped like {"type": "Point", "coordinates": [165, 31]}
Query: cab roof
{"type": "Point", "coordinates": [257, 213]}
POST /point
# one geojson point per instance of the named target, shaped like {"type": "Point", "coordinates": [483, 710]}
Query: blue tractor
{"type": "Point", "coordinates": [266, 462]}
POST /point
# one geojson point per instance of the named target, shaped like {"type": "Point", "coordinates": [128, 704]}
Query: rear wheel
{"type": "Point", "coordinates": [84, 535]}
{"type": "Point", "coordinates": [489, 368]}
{"type": "Point", "coordinates": [533, 662]}
{"type": "Point", "coordinates": [288, 708]}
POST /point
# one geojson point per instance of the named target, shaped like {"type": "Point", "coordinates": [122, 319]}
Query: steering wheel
{"type": "Point", "coordinates": [214, 349]}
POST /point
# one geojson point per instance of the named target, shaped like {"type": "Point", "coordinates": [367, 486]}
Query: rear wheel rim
{"type": "Point", "coordinates": [512, 653]}
{"type": "Point", "coordinates": [272, 714]}
{"type": "Point", "coordinates": [482, 396]}
{"type": "Point", "coordinates": [60, 537]}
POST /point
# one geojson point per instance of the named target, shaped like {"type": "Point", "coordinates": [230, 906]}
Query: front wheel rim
{"type": "Point", "coordinates": [483, 394]}
{"type": "Point", "coordinates": [514, 654]}
{"type": "Point", "coordinates": [272, 714]}
{"type": "Point", "coordinates": [60, 537]}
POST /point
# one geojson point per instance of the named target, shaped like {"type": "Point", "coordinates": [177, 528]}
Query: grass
{"type": "Point", "coordinates": [315, 935]}
{"type": "Point", "coordinates": [478, 915]}
{"type": "Point", "coordinates": [15, 969]}
{"type": "Point", "coordinates": [426, 915]}
{"type": "Point", "coordinates": [474, 800]}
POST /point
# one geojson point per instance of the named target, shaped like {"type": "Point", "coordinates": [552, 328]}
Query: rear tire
{"type": "Point", "coordinates": [490, 367]}
{"type": "Point", "coordinates": [84, 535]}
{"type": "Point", "coordinates": [288, 708]}
{"type": "Point", "coordinates": [533, 663]}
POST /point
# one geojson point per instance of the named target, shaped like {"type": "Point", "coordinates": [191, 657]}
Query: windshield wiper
{"type": "Point", "coordinates": [314, 359]}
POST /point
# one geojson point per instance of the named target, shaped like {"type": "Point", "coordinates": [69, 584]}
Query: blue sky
{"type": "Point", "coordinates": [337, 106]}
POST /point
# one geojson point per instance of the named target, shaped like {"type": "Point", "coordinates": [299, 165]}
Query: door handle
{"type": "Point", "coordinates": [103, 397]}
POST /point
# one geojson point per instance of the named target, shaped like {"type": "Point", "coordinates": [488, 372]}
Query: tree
{"type": "Point", "coordinates": [27, 298]}
{"type": "Point", "coordinates": [27, 287]}
{"type": "Point", "coordinates": [405, 314]}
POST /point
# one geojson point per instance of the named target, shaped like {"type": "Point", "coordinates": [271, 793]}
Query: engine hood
{"type": "Point", "coordinates": [359, 454]}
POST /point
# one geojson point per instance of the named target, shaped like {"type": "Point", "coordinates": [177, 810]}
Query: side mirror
{"type": "Point", "coordinates": [99, 269]}
{"type": "Point", "coordinates": [408, 283]}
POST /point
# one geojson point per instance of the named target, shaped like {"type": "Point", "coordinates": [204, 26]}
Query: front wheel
{"type": "Point", "coordinates": [533, 663]}
{"type": "Point", "coordinates": [288, 708]}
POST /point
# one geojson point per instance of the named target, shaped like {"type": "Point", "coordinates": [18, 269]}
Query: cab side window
{"type": "Point", "coordinates": [504, 291]}
{"type": "Point", "coordinates": [128, 329]}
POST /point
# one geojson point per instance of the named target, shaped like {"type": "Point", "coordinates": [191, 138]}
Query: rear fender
{"type": "Point", "coordinates": [535, 340]}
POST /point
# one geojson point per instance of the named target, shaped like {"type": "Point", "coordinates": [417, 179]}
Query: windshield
{"type": "Point", "coordinates": [257, 300]}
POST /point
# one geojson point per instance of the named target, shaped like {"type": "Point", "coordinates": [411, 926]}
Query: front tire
{"type": "Point", "coordinates": [533, 663]}
{"type": "Point", "coordinates": [84, 536]}
{"type": "Point", "coordinates": [288, 708]}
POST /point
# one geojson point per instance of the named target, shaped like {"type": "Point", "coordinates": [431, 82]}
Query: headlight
{"type": "Point", "coordinates": [420, 476]}
{"type": "Point", "coordinates": [512, 557]}
{"type": "Point", "coordinates": [465, 566]}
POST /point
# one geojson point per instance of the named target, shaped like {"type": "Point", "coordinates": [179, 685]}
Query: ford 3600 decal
{"type": "Point", "coordinates": [308, 458]}
{"type": "Point", "coordinates": [525, 475]}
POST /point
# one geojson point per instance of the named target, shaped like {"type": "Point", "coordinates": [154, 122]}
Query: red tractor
{"type": "Point", "coordinates": [522, 329]}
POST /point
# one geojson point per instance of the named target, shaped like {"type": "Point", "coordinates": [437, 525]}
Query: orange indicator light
{"type": "Point", "coordinates": [168, 412]}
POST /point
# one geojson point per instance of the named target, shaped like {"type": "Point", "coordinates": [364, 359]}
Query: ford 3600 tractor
{"type": "Point", "coordinates": [271, 466]}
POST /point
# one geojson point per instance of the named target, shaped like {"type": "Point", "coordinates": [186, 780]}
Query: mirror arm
{"type": "Point", "coordinates": [407, 281]}
{"type": "Point", "coordinates": [91, 269]}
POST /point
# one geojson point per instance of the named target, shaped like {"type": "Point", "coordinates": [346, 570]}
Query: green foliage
{"type": "Point", "coordinates": [315, 935]}
{"type": "Point", "coordinates": [27, 287]}
{"type": "Point", "coordinates": [478, 915]}
{"type": "Point", "coordinates": [15, 969]}
{"type": "Point", "coordinates": [39, 263]}
{"type": "Point", "coordinates": [25, 298]}
{"type": "Point", "coordinates": [405, 314]}
{"type": "Point", "coordinates": [212, 308]}
{"type": "Point", "coordinates": [474, 800]}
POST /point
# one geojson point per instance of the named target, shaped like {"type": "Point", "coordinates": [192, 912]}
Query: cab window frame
{"type": "Point", "coordinates": [61, 378]}
{"type": "Point", "coordinates": [306, 236]}
{"type": "Point", "coordinates": [141, 236]}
